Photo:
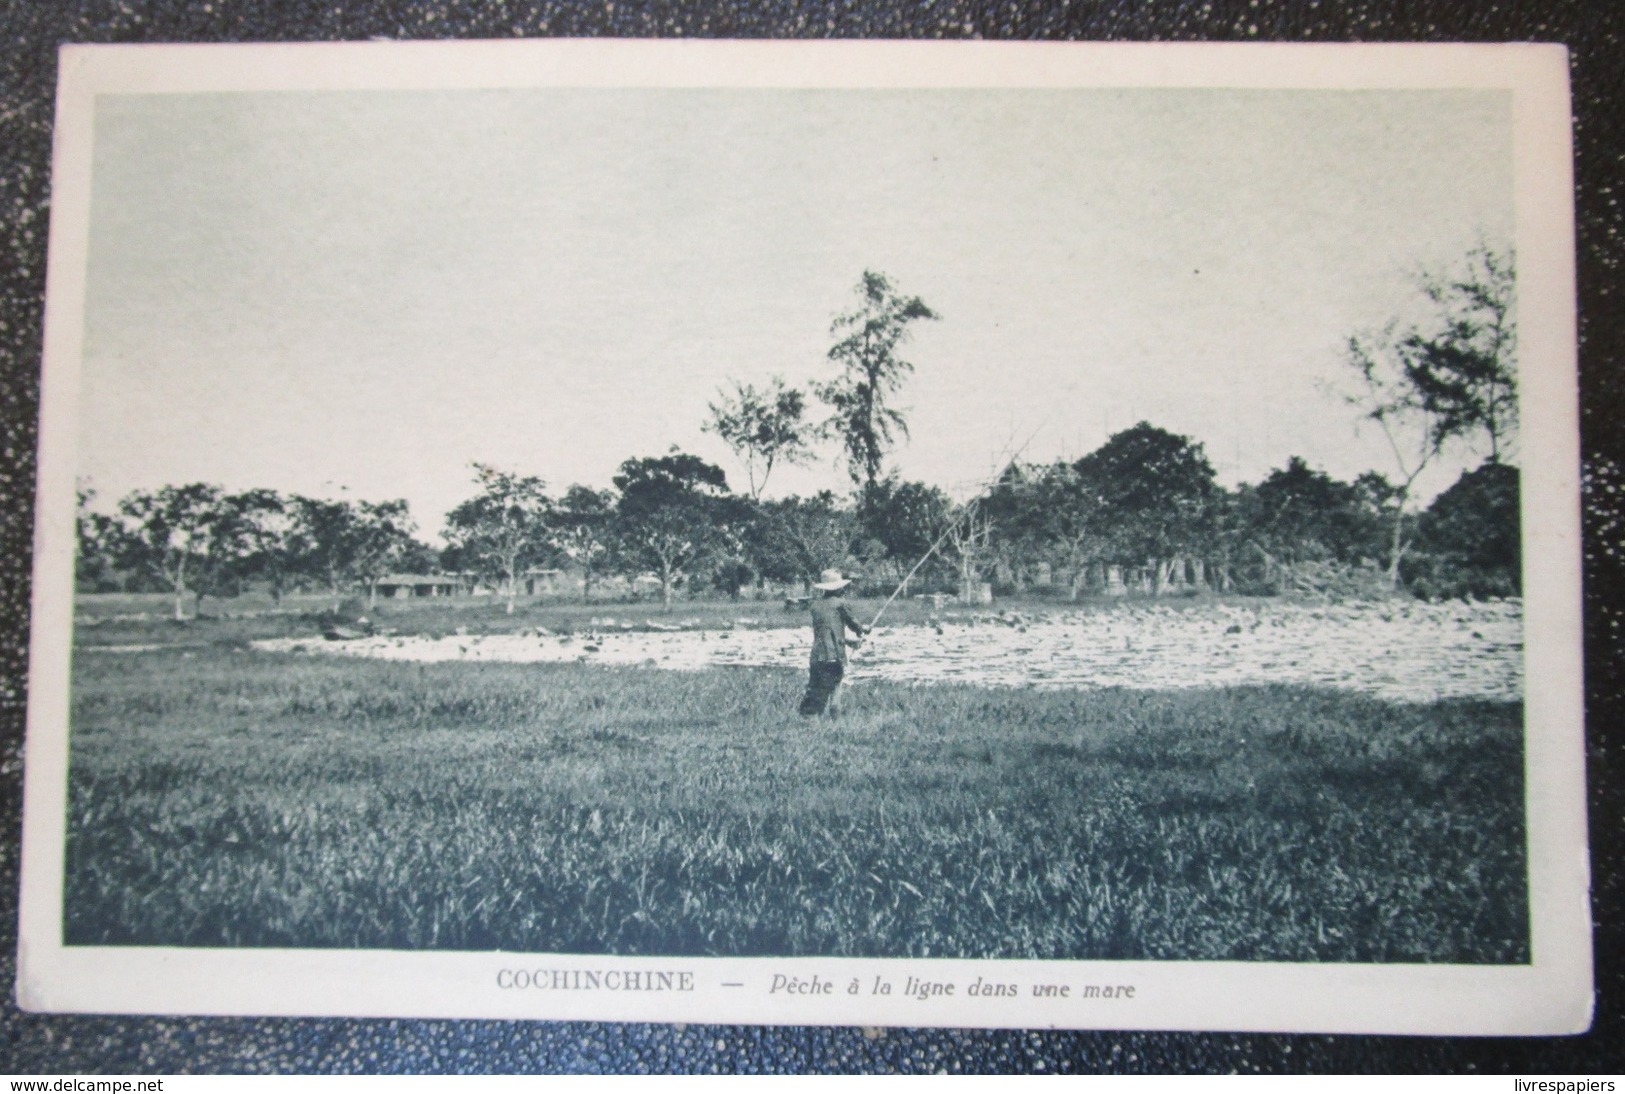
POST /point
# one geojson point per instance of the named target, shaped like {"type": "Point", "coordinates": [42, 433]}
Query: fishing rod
{"type": "Point", "coordinates": [903, 584]}
{"type": "Point", "coordinates": [964, 510]}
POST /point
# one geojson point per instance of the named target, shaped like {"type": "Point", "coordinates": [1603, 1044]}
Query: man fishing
{"type": "Point", "coordinates": [830, 621]}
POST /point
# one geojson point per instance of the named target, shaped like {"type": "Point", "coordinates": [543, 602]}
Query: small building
{"type": "Point", "coordinates": [402, 586]}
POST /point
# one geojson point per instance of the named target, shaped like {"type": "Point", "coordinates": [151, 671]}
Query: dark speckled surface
{"type": "Point", "coordinates": [29, 33]}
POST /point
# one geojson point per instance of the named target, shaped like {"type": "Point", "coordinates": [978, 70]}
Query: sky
{"type": "Point", "coordinates": [360, 294]}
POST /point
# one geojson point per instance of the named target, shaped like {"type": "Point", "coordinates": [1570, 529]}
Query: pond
{"type": "Point", "coordinates": [1402, 650]}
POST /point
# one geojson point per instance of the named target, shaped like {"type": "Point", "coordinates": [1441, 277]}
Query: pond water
{"type": "Point", "coordinates": [1397, 650]}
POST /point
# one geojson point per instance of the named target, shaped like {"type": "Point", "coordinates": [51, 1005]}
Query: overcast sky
{"type": "Point", "coordinates": [370, 290]}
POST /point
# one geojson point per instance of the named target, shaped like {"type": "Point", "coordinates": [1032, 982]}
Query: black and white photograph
{"type": "Point", "coordinates": [875, 534]}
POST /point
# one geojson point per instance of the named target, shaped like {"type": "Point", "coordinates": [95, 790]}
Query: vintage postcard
{"type": "Point", "coordinates": [1004, 535]}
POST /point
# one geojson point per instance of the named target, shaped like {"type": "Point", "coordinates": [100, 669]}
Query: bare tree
{"type": "Point", "coordinates": [970, 535]}
{"type": "Point", "coordinates": [1387, 395]}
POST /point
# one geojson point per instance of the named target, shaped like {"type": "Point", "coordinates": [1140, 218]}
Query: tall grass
{"type": "Point", "coordinates": [223, 798]}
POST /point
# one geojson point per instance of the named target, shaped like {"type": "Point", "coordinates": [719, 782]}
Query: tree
{"type": "Point", "coordinates": [651, 482]}
{"type": "Point", "coordinates": [871, 373]}
{"type": "Point", "coordinates": [1298, 517]}
{"type": "Point", "coordinates": [669, 541]}
{"type": "Point", "coordinates": [667, 519]}
{"type": "Point", "coordinates": [1463, 367]}
{"type": "Point", "coordinates": [417, 557]}
{"type": "Point", "coordinates": [263, 525]}
{"type": "Point", "coordinates": [1468, 541]}
{"type": "Point", "coordinates": [1389, 503]}
{"type": "Point", "coordinates": [584, 530]}
{"type": "Point", "coordinates": [969, 535]}
{"type": "Point", "coordinates": [900, 520]}
{"type": "Point", "coordinates": [102, 543]}
{"type": "Point", "coordinates": [904, 517]}
{"type": "Point", "coordinates": [505, 527]}
{"type": "Point", "coordinates": [382, 534]}
{"type": "Point", "coordinates": [1410, 423]}
{"type": "Point", "coordinates": [797, 538]}
{"type": "Point", "coordinates": [172, 533]}
{"type": "Point", "coordinates": [322, 542]}
{"type": "Point", "coordinates": [1065, 510]}
{"type": "Point", "coordinates": [1427, 387]}
{"type": "Point", "coordinates": [1296, 510]}
{"type": "Point", "coordinates": [1036, 518]}
{"type": "Point", "coordinates": [734, 520]}
{"type": "Point", "coordinates": [1156, 492]}
{"type": "Point", "coordinates": [763, 428]}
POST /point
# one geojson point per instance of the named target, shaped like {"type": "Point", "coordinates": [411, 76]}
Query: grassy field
{"type": "Point", "coordinates": [221, 797]}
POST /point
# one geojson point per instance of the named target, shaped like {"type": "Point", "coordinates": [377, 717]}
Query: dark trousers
{"type": "Point", "coordinates": [823, 680]}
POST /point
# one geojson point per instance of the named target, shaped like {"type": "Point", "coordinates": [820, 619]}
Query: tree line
{"type": "Point", "coordinates": [1143, 512]}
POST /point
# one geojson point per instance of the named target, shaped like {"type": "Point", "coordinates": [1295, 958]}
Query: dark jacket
{"type": "Point", "coordinates": [829, 618]}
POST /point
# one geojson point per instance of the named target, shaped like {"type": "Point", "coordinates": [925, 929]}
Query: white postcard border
{"type": "Point", "coordinates": [1552, 995]}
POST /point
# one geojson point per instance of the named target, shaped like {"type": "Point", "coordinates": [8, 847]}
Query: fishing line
{"type": "Point", "coordinates": [966, 509]}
